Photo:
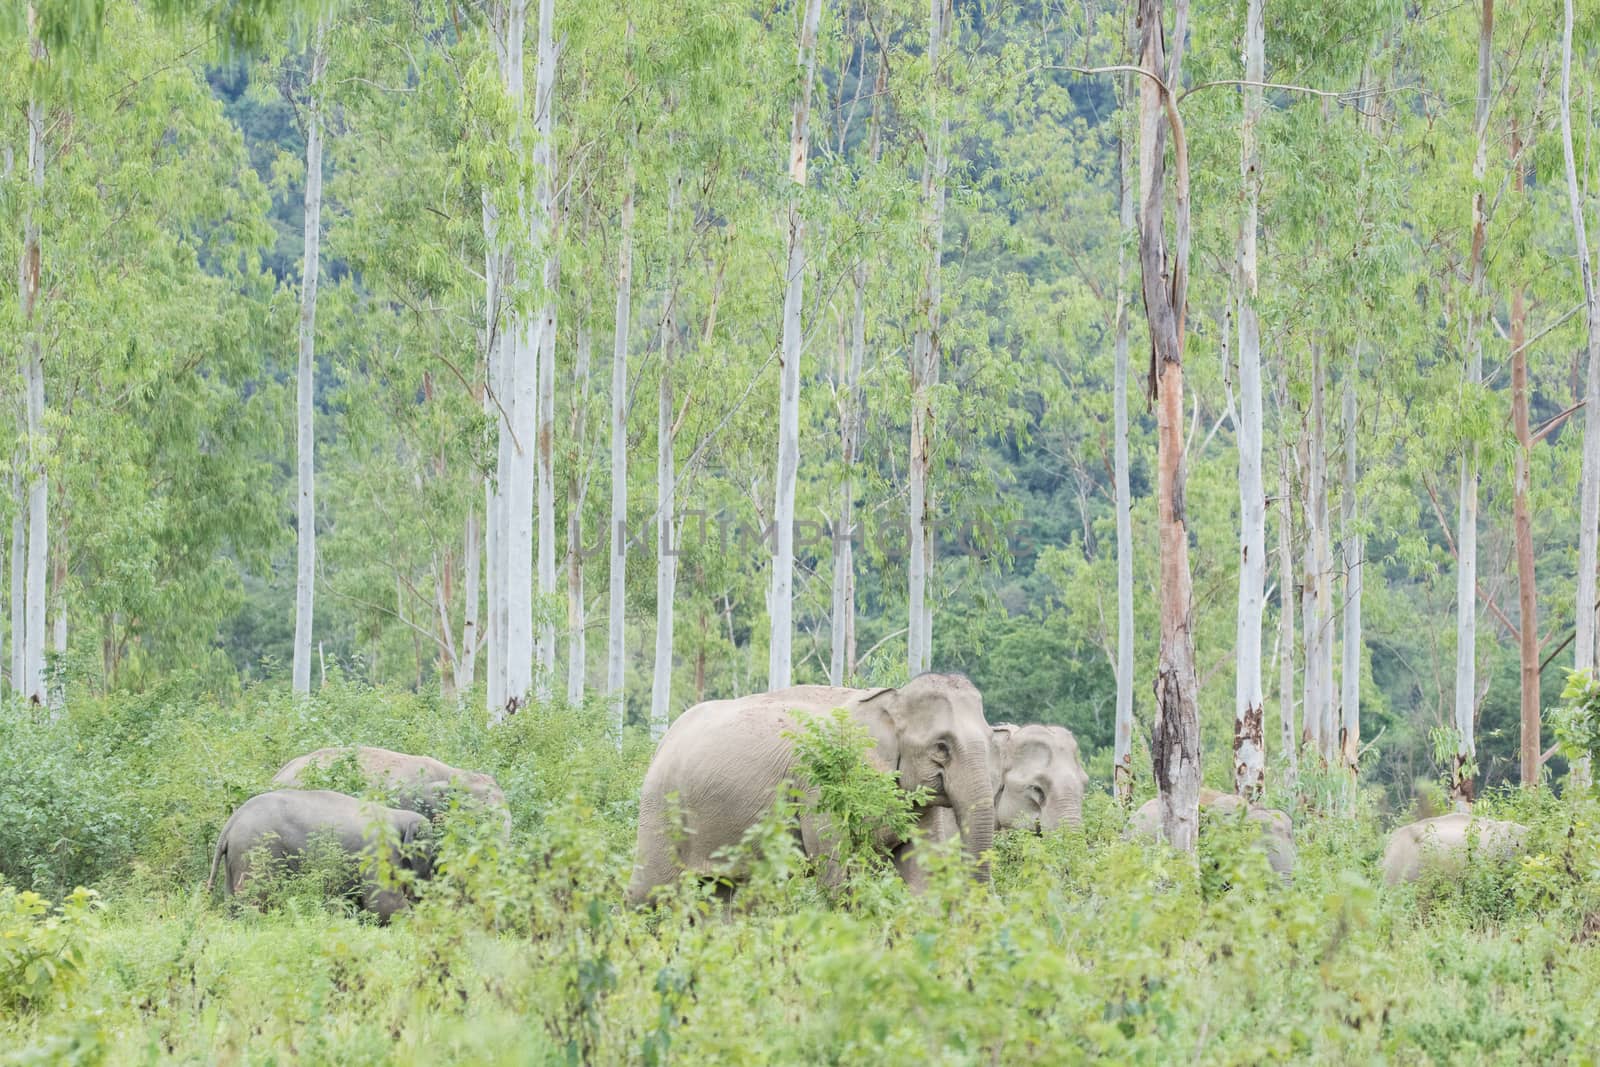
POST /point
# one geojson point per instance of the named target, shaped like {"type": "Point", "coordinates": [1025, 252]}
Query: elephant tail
{"type": "Point", "coordinates": [216, 857]}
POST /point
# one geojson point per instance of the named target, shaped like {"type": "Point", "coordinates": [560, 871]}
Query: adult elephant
{"type": "Point", "coordinates": [418, 783]}
{"type": "Point", "coordinates": [722, 764]}
{"type": "Point", "coordinates": [284, 822]}
{"type": "Point", "coordinates": [1277, 830]}
{"type": "Point", "coordinates": [1446, 843]}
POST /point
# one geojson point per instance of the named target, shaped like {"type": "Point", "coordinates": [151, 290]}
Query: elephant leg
{"type": "Point", "coordinates": [655, 861]}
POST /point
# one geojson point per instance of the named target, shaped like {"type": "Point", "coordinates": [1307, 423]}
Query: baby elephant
{"type": "Point", "coordinates": [284, 821]}
{"type": "Point", "coordinates": [1277, 831]}
{"type": "Point", "coordinates": [420, 783]}
{"type": "Point", "coordinates": [1445, 842]}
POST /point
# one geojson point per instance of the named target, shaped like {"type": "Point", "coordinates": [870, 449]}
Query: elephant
{"type": "Point", "coordinates": [284, 821]}
{"type": "Point", "coordinates": [721, 766]}
{"type": "Point", "coordinates": [1038, 782]}
{"type": "Point", "coordinates": [419, 783]}
{"type": "Point", "coordinates": [1037, 777]}
{"type": "Point", "coordinates": [1277, 830]}
{"type": "Point", "coordinates": [1445, 842]}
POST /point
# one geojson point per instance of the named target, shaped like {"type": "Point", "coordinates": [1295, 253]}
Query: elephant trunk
{"type": "Point", "coordinates": [1067, 808]}
{"type": "Point", "coordinates": [973, 803]}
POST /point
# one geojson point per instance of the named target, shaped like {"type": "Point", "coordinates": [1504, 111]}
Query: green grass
{"type": "Point", "coordinates": [1086, 947]}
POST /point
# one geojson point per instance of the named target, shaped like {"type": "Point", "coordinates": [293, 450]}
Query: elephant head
{"type": "Point", "coordinates": [932, 733]}
{"type": "Point", "coordinates": [1037, 777]}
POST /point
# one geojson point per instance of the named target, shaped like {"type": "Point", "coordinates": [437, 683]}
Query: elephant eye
{"type": "Point", "coordinates": [1036, 795]}
{"type": "Point", "coordinates": [941, 751]}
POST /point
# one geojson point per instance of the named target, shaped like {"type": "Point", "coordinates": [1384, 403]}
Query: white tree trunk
{"type": "Point", "coordinates": [305, 429]}
{"type": "Point", "coordinates": [1122, 772]}
{"type": "Point", "coordinates": [841, 662]}
{"type": "Point", "coordinates": [1467, 504]}
{"type": "Point", "coordinates": [509, 25]}
{"type": "Point", "coordinates": [666, 495]}
{"type": "Point", "coordinates": [925, 346]}
{"type": "Point", "coordinates": [19, 580]}
{"type": "Point", "coordinates": [842, 665]}
{"type": "Point", "coordinates": [1314, 584]}
{"type": "Point", "coordinates": [616, 638]}
{"type": "Point", "coordinates": [577, 490]}
{"type": "Point", "coordinates": [472, 552]}
{"type": "Point", "coordinates": [779, 663]}
{"type": "Point", "coordinates": [1583, 651]}
{"type": "Point", "coordinates": [521, 373]}
{"type": "Point", "coordinates": [33, 639]}
{"type": "Point", "coordinates": [1286, 604]}
{"type": "Point", "coordinates": [1354, 559]}
{"type": "Point", "coordinates": [543, 235]}
{"type": "Point", "coordinates": [1249, 727]}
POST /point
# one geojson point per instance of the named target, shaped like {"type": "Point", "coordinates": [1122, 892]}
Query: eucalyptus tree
{"type": "Point", "coordinates": [1467, 518]}
{"type": "Point", "coordinates": [781, 600]}
{"type": "Point", "coordinates": [1583, 649]}
{"type": "Point", "coordinates": [925, 351]}
{"type": "Point", "coordinates": [1249, 729]}
{"type": "Point", "coordinates": [36, 505]}
{"type": "Point", "coordinates": [305, 433]}
{"type": "Point", "coordinates": [541, 222]}
{"type": "Point", "coordinates": [1175, 742]}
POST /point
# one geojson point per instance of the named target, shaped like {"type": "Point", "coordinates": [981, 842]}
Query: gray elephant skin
{"type": "Point", "coordinates": [1037, 777]}
{"type": "Point", "coordinates": [419, 783]}
{"type": "Point", "coordinates": [720, 768]}
{"type": "Point", "coordinates": [285, 820]}
{"type": "Point", "coordinates": [1038, 781]}
{"type": "Point", "coordinates": [1445, 843]}
{"type": "Point", "coordinates": [1277, 830]}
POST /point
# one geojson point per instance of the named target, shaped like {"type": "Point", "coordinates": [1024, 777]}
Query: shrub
{"type": "Point", "coordinates": [42, 948]}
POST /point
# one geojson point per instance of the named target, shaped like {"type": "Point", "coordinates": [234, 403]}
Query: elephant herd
{"type": "Point", "coordinates": [723, 765]}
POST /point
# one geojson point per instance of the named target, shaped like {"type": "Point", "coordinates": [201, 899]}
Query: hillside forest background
{"type": "Point", "coordinates": [963, 204]}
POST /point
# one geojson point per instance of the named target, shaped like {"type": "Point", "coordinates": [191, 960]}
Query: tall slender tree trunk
{"type": "Point", "coordinates": [779, 663]}
{"type": "Point", "coordinates": [510, 538]}
{"type": "Point", "coordinates": [19, 576]}
{"type": "Point", "coordinates": [1314, 584]}
{"type": "Point", "coordinates": [1527, 590]}
{"type": "Point", "coordinates": [1122, 765]}
{"type": "Point", "coordinates": [616, 637]}
{"type": "Point", "coordinates": [1354, 566]}
{"type": "Point", "coordinates": [1249, 727]}
{"type": "Point", "coordinates": [1583, 654]}
{"type": "Point", "coordinates": [522, 370]}
{"type": "Point", "coordinates": [925, 350]}
{"type": "Point", "coordinates": [472, 552]}
{"type": "Point", "coordinates": [28, 287]}
{"type": "Point", "coordinates": [1286, 599]}
{"type": "Point", "coordinates": [1527, 587]}
{"type": "Point", "coordinates": [666, 490]}
{"type": "Point", "coordinates": [1176, 739]}
{"type": "Point", "coordinates": [544, 161]}
{"type": "Point", "coordinates": [577, 490]}
{"type": "Point", "coordinates": [1467, 517]}
{"type": "Point", "coordinates": [306, 441]}
{"type": "Point", "coordinates": [842, 662]}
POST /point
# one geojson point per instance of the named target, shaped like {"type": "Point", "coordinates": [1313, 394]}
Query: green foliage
{"type": "Point", "coordinates": [1576, 722]}
{"type": "Point", "coordinates": [860, 803]}
{"type": "Point", "coordinates": [43, 948]}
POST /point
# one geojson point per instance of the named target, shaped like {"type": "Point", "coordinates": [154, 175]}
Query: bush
{"type": "Point", "coordinates": [42, 948]}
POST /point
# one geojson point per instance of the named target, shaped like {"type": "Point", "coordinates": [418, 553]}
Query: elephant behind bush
{"type": "Point", "coordinates": [723, 764]}
{"type": "Point", "coordinates": [283, 824]}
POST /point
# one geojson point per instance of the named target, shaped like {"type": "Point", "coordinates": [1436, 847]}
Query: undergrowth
{"type": "Point", "coordinates": [1084, 947]}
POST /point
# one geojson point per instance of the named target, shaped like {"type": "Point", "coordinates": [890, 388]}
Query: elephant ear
{"type": "Point", "coordinates": [879, 711]}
